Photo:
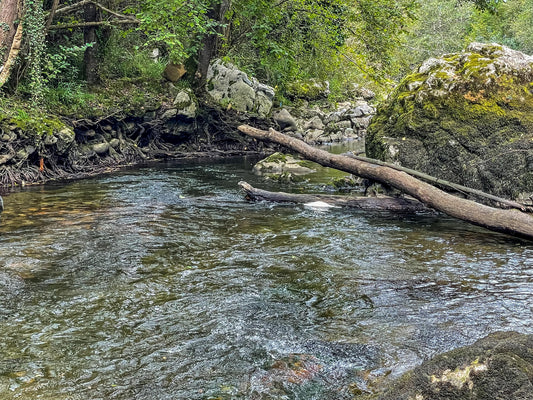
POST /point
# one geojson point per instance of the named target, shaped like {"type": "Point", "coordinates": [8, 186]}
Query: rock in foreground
{"type": "Point", "coordinates": [497, 367]}
{"type": "Point", "coordinates": [466, 118]}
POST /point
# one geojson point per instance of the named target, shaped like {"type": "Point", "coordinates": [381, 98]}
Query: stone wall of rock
{"type": "Point", "coordinates": [348, 121]}
{"type": "Point", "coordinates": [234, 89]}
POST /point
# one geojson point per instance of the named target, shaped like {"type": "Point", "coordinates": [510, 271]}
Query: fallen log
{"type": "Point", "coordinates": [505, 203]}
{"type": "Point", "coordinates": [512, 222]}
{"type": "Point", "coordinates": [385, 203]}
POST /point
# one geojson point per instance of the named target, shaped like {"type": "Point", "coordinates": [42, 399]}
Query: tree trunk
{"type": "Point", "coordinates": [511, 222]}
{"type": "Point", "coordinates": [90, 61]}
{"type": "Point", "coordinates": [10, 35]}
{"type": "Point", "coordinates": [211, 42]}
{"type": "Point", "coordinates": [394, 204]}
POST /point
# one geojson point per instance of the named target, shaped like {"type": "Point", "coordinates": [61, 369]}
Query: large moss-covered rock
{"type": "Point", "coordinates": [466, 117]}
{"type": "Point", "coordinates": [497, 367]}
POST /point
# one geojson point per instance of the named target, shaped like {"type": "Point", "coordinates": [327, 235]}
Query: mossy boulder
{"type": "Point", "coordinates": [310, 89]}
{"type": "Point", "coordinates": [499, 366]}
{"type": "Point", "coordinates": [465, 117]}
{"type": "Point", "coordinates": [279, 163]}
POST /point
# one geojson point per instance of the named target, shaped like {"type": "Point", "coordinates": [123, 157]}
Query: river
{"type": "Point", "coordinates": [163, 282]}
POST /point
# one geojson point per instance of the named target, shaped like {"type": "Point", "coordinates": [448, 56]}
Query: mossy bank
{"type": "Point", "coordinates": [128, 123]}
{"type": "Point", "coordinates": [466, 118]}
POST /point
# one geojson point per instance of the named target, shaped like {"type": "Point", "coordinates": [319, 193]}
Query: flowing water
{"type": "Point", "coordinates": [163, 283]}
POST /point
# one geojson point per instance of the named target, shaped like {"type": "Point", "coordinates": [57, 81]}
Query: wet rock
{"type": "Point", "coordinates": [279, 163]}
{"type": "Point", "coordinates": [499, 366]}
{"type": "Point", "coordinates": [230, 87]}
{"type": "Point", "coordinates": [465, 117]}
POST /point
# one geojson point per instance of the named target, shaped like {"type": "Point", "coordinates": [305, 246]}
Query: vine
{"type": "Point", "coordinates": [34, 26]}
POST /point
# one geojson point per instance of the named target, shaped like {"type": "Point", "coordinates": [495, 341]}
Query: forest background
{"type": "Point", "coordinates": [74, 56]}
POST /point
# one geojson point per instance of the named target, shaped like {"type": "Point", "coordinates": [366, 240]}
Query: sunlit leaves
{"type": "Point", "coordinates": [177, 25]}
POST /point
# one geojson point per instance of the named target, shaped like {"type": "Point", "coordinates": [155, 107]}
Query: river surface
{"type": "Point", "coordinates": [162, 282]}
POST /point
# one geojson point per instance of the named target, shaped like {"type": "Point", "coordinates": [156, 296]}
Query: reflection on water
{"type": "Point", "coordinates": [163, 283]}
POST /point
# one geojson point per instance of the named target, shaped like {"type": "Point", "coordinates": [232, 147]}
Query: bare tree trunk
{"type": "Point", "coordinates": [394, 204]}
{"type": "Point", "coordinates": [10, 35]}
{"type": "Point", "coordinates": [211, 42]}
{"type": "Point", "coordinates": [90, 61]}
{"type": "Point", "coordinates": [512, 222]}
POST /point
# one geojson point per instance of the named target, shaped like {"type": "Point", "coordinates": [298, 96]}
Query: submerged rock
{"type": "Point", "coordinates": [465, 117]}
{"type": "Point", "coordinates": [499, 366]}
{"type": "Point", "coordinates": [279, 163]}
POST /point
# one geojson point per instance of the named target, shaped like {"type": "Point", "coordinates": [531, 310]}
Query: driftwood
{"type": "Point", "coordinates": [385, 203]}
{"type": "Point", "coordinates": [511, 222]}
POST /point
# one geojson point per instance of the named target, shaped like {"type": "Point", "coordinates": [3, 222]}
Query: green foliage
{"type": "Point", "coordinates": [34, 31]}
{"type": "Point", "coordinates": [509, 23]}
{"type": "Point", "coordinates": [330, 40]}
{"type": "Point", "coordinates": [128, 56]}
{"type": "Point", "coordinates": [178, 25]}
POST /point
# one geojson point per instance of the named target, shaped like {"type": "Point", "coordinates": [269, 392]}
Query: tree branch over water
{"type": "Point", "coordinates": [512, 222]}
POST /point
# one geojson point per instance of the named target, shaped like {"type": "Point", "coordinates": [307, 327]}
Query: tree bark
{"type": "Point", "coordinates": [394, 204]}
{"type": "Point", "coordinates": [512, 222]}
{"type": "Point", "coordinates": [211, 42]}
{"type": "Point", "coordinates": [10, 35]}
{"type": "Point", "coordinates": [90, 61]}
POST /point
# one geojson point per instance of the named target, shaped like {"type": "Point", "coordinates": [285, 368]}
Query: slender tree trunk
{"type": "Point", "coordinates": [211, 43]}
{"type": "Point", "coordinates": [512, 222]}
{"type": "Point", "coordinates": [10, 35]}
{"type": "Point", "coordinates": [90, 60]}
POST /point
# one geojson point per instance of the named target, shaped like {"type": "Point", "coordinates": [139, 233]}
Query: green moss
{"type": "Point", "coordinates": [33, 122]}
{"type": "Point", "coordinates": [459, 134]}
{"type": "Point", "coordinates": [276, 158]}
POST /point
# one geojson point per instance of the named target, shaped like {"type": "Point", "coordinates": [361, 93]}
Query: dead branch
{"type": "Point", "coordinates": [385, 203]}
{"type": "Point", "coordinates": [512, 222]}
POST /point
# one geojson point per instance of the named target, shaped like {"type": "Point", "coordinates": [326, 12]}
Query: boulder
{"type": "Point", "coordinates": [285, 120]}
{"type": "Point", "coordinates": [65, 138]}
{"type": "Point", "coordinates": [499, 366]}
{"type": "Point", "coordinates": [174, 72]}
{"type": "Point", "coordinates": [278, 163]}
{"type": "Point", "coordinates": [310, 89]}
{"type": "Point", "coordinates": [230, 87]}
{"type": "Point", "coordinates": [314, 123]}
{"type": "Point", "coordinates": [185, 104]}
{"type": "Point", "coordinates": [466, 118]}
{"type": "Point", "coordinates": [100, 148]}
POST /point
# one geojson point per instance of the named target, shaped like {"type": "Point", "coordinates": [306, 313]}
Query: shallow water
{"type": "Point", "coordinates": [164, 283]}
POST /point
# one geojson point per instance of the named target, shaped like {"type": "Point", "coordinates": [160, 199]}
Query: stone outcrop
{"type": "Point", "coordinates": [232, 88]}
{"type": "Point", "coordinates": [316, 125]}
{"type": "Point", "coordinates": [499, 366]}
{"type": "Point", "coordinates": [466, 118]}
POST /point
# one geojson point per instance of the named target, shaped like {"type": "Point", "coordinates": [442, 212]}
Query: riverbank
{"type": "Point", "coordinates": [127, 123]}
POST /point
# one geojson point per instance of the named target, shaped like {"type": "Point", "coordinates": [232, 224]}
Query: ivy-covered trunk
{"type": "Point", "coordinates": [10, 35]}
